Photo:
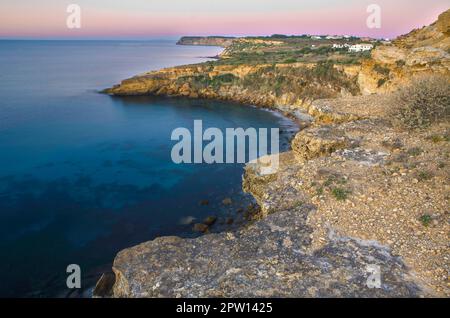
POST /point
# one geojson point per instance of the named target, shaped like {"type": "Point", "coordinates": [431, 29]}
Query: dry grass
{"type": "Point", "coordinates": [424, 102]}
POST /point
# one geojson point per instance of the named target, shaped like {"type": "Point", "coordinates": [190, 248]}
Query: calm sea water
{"type": "Point", "coordinates": [84, 175]}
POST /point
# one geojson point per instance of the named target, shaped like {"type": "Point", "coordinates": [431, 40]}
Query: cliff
{"type": "Point", "coordinates": [287, 87]}
{"type": "Point", "coordinates": [423, 51]}
{"type": "Point", "coordinates": [353, 192]}
{"type": "Point", "coordinates": [206, 40]}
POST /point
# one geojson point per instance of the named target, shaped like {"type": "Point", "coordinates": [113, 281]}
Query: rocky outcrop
{"type": "Point", "coordinates": [422, 51]}
{"type": "Point", "coordinates": [320, 141]}
{"type": "Point", "coordinates": [268, 259]}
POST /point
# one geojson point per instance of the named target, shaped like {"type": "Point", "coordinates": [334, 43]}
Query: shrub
{"type": "Point", "coordinates": [414, 152]}
{"type": "Point", "coordinates": [381, 70]}
{"type": "Point", "coordinates": [340, 194]}
{"type": "Point", "coordinates": [400, 63]}
{"type": "Point", "coordinates": [290, 60]}
{"type": "Point", "coordinates": [219, 80]}
{"type": "Point", "coordinates": [381, 82]}
{"type": "Point", "coordinates": [424, 102]}
{"type": "Point", "coordinates": [424, 175]}
{"type": "Point", "coordinates": [426, 220]}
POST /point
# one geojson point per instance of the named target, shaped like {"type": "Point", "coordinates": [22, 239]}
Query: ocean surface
{"type": "Point", "coordinates": [84, 175]}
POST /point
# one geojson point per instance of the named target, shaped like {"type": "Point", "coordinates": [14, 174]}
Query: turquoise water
{"type": "Point", "coordinates": [84, 175]}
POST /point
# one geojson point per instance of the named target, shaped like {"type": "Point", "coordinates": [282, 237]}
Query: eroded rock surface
{"type": "Point", "coordinates": [268, 259]}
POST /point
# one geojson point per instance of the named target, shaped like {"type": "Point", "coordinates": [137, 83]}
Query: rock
{"type": "Point", "coordinates": [200, 227]}
{"type": "Point", "coordinates": [443, 22]}
{"type": "Point", "coordinates": [227, 201]}
{"type": "Point", "coordinates": [319, 141]}
{"type": "Point", "coordinates": [206, 41]}
{"type": "Point", "coordinates": [210, 220]}
{"type": "Point", "coordinates": [363, 156]}
{"type": "Point", "coordinates": [263, 260]}
{"type": "Point", "coordinates": [426, 57]}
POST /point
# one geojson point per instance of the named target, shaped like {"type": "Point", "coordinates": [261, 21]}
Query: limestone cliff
{"type": "Point", "coordinates": [422, 51]}
{"type": "Point", "coordinates": [287, 87]}
{"type": "Point", "coordinates": [206, 40]}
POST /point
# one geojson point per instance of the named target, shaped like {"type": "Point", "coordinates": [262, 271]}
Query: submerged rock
{"type": "Point", "coordinates": [200, 227]}
{"type": "Point", "coordinates": [229, 221]}
{"type": "Point", "coordinates": [227, 201]}
{"type": "Point", "coordinates": [210, 220]}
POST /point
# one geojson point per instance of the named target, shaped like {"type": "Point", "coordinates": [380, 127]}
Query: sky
{"type": "Point", "coordinates": [145, 19]}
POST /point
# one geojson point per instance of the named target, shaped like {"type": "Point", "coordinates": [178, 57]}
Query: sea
{"type": "Point", "coordinates": [84, 175]}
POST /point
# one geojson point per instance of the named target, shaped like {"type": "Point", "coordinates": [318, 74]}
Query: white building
{"type": "Point", "coordinates": [316, 37]}
{"type": "Point", "coordinates": [360, 47]}
{"type": "Point", "coordinates": [334, 37]}
{"type": "Point", "coordinates": [340, 46]}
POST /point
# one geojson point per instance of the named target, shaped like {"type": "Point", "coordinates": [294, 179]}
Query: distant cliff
{"type": "Point", "coordinates": [206, 40]}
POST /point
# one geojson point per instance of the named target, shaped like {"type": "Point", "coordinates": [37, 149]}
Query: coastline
{"type": "Point", "coordinates": [317, 210]}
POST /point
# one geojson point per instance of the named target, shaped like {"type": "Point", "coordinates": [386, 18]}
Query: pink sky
{"type": "Point", "coordinates": [149, 18]}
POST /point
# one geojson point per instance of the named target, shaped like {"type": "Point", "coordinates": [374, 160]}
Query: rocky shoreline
{"type": "Point", "coordinates": [353, 193]}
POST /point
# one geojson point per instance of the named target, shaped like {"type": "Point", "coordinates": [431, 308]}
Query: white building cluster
{"type": "Point", "coordinates": [341, 46]}
{"type": "Point", "coordinates": [354, 48]}
{"type": "Point", "coordinates": [360, 47]}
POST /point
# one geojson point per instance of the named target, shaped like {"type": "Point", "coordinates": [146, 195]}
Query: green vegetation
{"type": "Point", "coordinates": [437, 138]}
{"type": "Point", "coordinates": [340, 194]}
{"type": "Point", "coordinates": [289, 49]}
{"type": "Point", "coordinates": [426, 220]}
{"type": "Point", "coordinates": [306, 83]}
{"type": "Point", "coordinates": [319, 75]}
{"type": "Point", "coordinates": [319, 191]}
{"type": "Point", "coordinates": [382, 70]}
{"type": "Point", "coordinates": [424, 175]}
{"type": "Point", "coordinates": [381, 82]}
{"type": "Point", "coordinates": [334, 183]}
{"type": "Point", "coordinates": [400, 63]}
{"type": "Point", "coordinates": [290, 60]}
{"type": "Point", "coordinates": [203, 80]}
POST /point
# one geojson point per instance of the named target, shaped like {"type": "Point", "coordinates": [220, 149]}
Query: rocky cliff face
{"type": "Point", "coordinates": [206, 40]}
{"type": "Point", "coordinates": [268, 259]}
{"type": "Point", "coordinates": [287, 87]}
{"type": "Point", "coordinates": [423, 51]}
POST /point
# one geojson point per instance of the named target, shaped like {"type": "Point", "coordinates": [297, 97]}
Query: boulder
{"type": "Point", "coordinates": [319, 141]}
{"type": "Point", "coordinates": [210, 220]}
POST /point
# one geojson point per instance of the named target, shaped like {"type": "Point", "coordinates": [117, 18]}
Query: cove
{"type": "Point", "coordinates": [84, 175]}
